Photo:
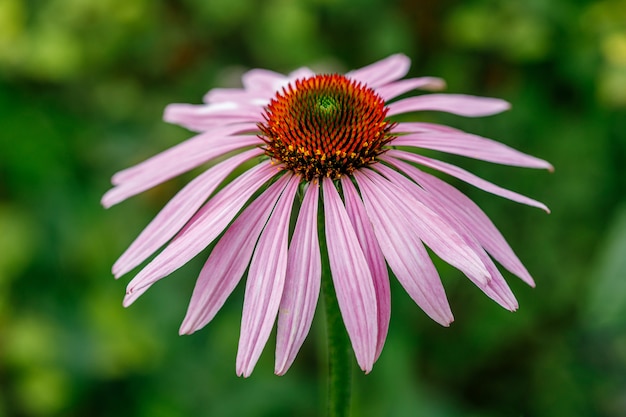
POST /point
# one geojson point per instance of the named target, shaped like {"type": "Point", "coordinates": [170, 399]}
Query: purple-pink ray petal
{"type": "Point", "coordinates": [468, 213]}
{"type": "Point", "coordinates": [467, 177]}
{"type": "Point", "coordinates": [298, 74]}
{"type": "Point", "coordinates": [382, 72]}
{"type": "Point", "coordinates": [302, 283]}
{"type": "Point", "coordinates": [171, 168]}
{"type": "Point", "coordinates": [259, 87]}
{"type": "Point", "coordinates": [266, 279]}
{"type": "Point", "coordinates": [177, 212]}
{"type": "Point", "coordinates": [236, 95]}
{"type": "Point", "coordinates": [351, 277]}
{"type": "Point", "coordinates": [153, 172]}
{"type": "Point", "coordinates": [267, 83]}
{"type": "Point", "coordinates": [373, 255]}
{"type": "Point", "coordinates": [463, 105]}
{"type": "Point", "coordinates": [394, 89]}
{"type": "Point", "coordinates": [182, 150]}
{"type": "Point", "coordinates": [229, 259]}
{"type": "Point", "coordinates": [434, 231]}
{"type": "Point", "coordinates": [403, 249]}
{"type": "Point", "coordinates": [202, 229]}
{"type": "Point", "coordinates": [202, 117]}
{"type": "Point", "coordinates": [262, 80]}
{"type": "Point", "coordinates": [499, 291]}
{"type": "Point", "coordinates": [422, 127]}
{"type": "Point", "coordinates": [472, 146]}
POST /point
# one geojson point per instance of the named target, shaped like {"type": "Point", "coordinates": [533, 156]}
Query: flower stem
{"type": "Point", "coordinates": [339, 359]}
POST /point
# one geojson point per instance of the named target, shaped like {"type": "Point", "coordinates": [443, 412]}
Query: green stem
{"type": "Point", "coordinates": [339, 358]}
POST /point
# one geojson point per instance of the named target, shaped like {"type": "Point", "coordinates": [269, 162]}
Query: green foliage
{"type": "Point", "coordinates": [82, 87]}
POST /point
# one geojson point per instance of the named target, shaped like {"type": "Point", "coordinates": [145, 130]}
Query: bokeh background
{"type": "Point", "coordinates": [82, 87]}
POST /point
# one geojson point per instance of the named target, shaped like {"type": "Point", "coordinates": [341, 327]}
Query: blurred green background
{"type": "Point", "coordinates": [82, 87]}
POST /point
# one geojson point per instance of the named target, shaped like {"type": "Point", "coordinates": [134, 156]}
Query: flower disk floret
{"type": "Point", "coordinates": [325, 126]}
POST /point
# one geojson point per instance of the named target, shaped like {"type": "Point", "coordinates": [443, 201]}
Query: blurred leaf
{"type": "Point", "coordinates": [30, 342]}
{"type": "Point", "coordinates": [17, 242]}
{"type": "Point", "coordinates": [607, 299]}
{"type": "Point", "coordinates": [514, 29]}
{"type": "Point", "coordinates": [42, 391]}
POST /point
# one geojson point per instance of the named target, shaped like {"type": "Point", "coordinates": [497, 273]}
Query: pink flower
{"type": "Point", "coordinates": [322, 138]}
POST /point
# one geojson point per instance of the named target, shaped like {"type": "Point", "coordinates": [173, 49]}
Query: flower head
{"type": "Point", "coordinates": [328, 138]}
{"type": "Point", "coordinates": [325, 126]}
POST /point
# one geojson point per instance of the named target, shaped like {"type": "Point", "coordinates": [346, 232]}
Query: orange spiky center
{"type": "Point", "coordinates": [325, 126]}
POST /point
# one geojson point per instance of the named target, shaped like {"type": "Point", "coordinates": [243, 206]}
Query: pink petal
{"type": "Point", "coordinates": [392, 90]}
{"type": "Point", "coordinates": [202, 229]}
{"type": "Point", "coordinates": [433, 230]}
{"type": "Point", "coordinates": [177, 212]}
{"type": "Point", "coordinates": [260, 86]}
{"type": "Point", "coordinates": [237, 96]}
{"type": "Point", "coordinates": [182, 150]}
{"type": "Point", "coordinates": [403, 249]}
{"type": "Point", "coordinates": [269, 83]}
{"type": "Point", "coordinates": [229, 259]}
{"type": "Point", "coordinates": [499, 291]}
{"type": "Point", "coordinates": [373, 255]}
{"type": "Point", "coordinates": [266, 279]}
{"type": "Point", "coordinates": [460, 104]}
{"type": "Point", "coordinates": [302, 283]}
{"type": "Point", "coordinates": [352, 278]}
{"type": "Point", "coordinates": [382, 72]}
{"type": "Point", "coordinates": [262, 80]}
{"type": "Point", "coordinates": [204, 116]}
{"type": "Point", "coordinates": [169, 164]}
{"type": "Point", "coordinates": [469, 214]}
{"type": "Point", "coordinates": [298, 74]}
{"type": "Point", "coordinates": [467, 177]}
{"type": "Point", "coordinates": [471, 146]}
{"type": "Point", "coordinates": [421, 127]}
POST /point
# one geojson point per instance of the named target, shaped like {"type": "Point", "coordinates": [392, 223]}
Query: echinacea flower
{"type": "Point", "coordinates": [329, 139]}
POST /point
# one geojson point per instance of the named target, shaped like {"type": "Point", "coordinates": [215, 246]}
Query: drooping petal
{"type": "Point", "coordinates": [434, 231]}
{"type": "Point", "coordinates": [168, 165]}
{"type": "Point", "coordinates": [177, 212]}
{"type": "Point", "coordinates": [182, 151]}
{"type": "Point", "coordinates": [499, 291]}
{"type": "Point", "coordinates": [266, 279]}
{"type": "Point", "coordinates": [302, 283]}
{"type": "Point", "coordinates": [471, 216]}
{"type": "Point", "coordinates": [201, 230]}
{"type": "Point", "coordinates": [394, 89]}
{"type": "Point", "coordinates": [382, 72]}
{"type": "Point", "coordinates": [404, 250]}
{"type": "Point", "coordinates": [467, 177]}
{"type": "Point", "coordinates": [352, 278]}
{"type": "Point", "coordinates": [472, 146]}
{"type": "Point", "coordinates": [460, 104]}
{"type": "Point", "coordinates": [201, 117]}
{"type": "Point", "coordinates": [229, 259]}
{"type": "Point", "coordinates": [373, 255]}
{"type": "Point", "coordinates": [421, 127]}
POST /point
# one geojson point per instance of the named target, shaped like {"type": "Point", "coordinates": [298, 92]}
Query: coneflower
{"type": "Point", "coordinates": [328, 139]}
